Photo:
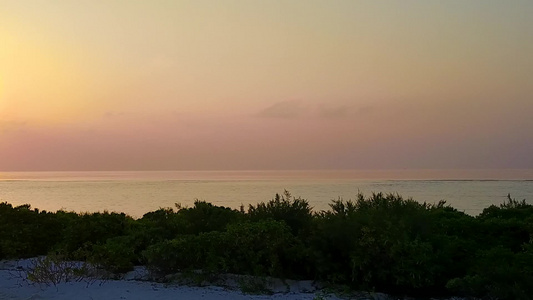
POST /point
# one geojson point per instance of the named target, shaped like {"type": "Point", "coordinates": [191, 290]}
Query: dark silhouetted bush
{"type": "Point", "coordinates": [498, 273]}
{"type": "Point", "coordinates": [26, 232]}
{"type": "Point", "coordinates": [206, 217]}
{"type": "Point", "coordinates": [383, 243]}
{"type": "Point", "coordinates": [85, 230]}
{"type": "Point", "coordinates": [295, 212]}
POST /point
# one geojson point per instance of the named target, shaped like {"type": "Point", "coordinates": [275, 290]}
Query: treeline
{"type": "Point", "coordinates": [380, 243]}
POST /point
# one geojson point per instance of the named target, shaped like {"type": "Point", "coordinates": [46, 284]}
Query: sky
{"type": "Point", "coordinates": [270, 85]}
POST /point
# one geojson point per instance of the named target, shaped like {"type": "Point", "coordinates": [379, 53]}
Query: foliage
{"type": "Point", "coordinates": [498, 273]}
{"type": "Point", "coordinates": [55, 269]}
{"type": "Point", "coordinates": [295, 212]}
{"type": "Point", "coordinates": [162, 224]}
{"type": "Point", "coordinates": [184, 253]}
{"type": "Point", "coordinates": [381, 243]}
{"type": "Point", "coordinates": [85, 230]}
{"type": "Point", "coordinates": [264, 248]}
{"type": "Point", "coordinates": [116, 255]}
{"type": "Point", "coordinates": [26, 232]}
{"type": "Point", "coordinates": [206, 217]}
{"type": "Point", "coordinates": [261, 248]}
{"type": "Point", "coordinates": [384, 239]}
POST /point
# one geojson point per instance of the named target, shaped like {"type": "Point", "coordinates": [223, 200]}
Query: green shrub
{"type": "Point", "coordinates": [295, 212]}
{"type": "Point", "coordinates": [165, 223]}
{"type": "Point", "coordinates": [162, 224]}
{"type": "Point", "coordinates": [206, 217]}
{"type": "Point", "coordinates": [381, 243]}
{"type": "Point", "coordinates": [262, 248]}
{"type": "Point", "coordinates": [510, 225]}
{"type": "Point", "coordinates": [498, 273]}
{"type": "Point", "coordinates": [55, 269]}
{"type": "Point", "coordinates": [84, 231]}
{"type": "Point", "coordinates": [117, 255]}
{"type": "Point", "coordinates": [26, 232]}
{"type": "Point", "coordinates": [184, 253]}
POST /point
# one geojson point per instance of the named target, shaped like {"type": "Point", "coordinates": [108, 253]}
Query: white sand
{"type": "Point", "coordinates": [13, 285]}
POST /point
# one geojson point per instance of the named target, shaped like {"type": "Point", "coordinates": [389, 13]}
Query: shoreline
{"type": "Point", "coordinates": [135, 285]}
{"type": "Point", "coordinates": [15, 285]}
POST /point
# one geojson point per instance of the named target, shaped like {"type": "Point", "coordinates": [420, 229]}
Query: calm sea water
{"type": "Point", "coordinates": [136, 193]}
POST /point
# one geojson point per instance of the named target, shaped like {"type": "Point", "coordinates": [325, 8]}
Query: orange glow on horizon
{"type": "Point", "coordinates": [220, 84]}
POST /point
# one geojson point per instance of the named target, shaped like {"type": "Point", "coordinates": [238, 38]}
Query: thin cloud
{"type": "Point", "coordinates": [284, 110]}
{"type": "Point", "coordinates": [343, 111]}
{"type": "Point", "coordinates": [113, 114]}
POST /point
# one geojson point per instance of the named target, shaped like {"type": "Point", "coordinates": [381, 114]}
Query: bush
{"type": "Point", "coordinates": [26, 232]}
{"type": "Point", "coordinates": [379, 243]}
{"type": "Point", "coordinates": [165, 224]}
{"type": "Point", "coordinates": [159, 225]}
{"type": "Point", "coordinates": [117, 255]}
{"type": "Point", "coordinates": [206, 217]}
{"type": "Point", "coordinates": [510, 225]}
{"type": "Point", "coordinates": [382, 243]}
{"type": "Point", "coordinates": [55, 269]}
{"type": "Point", "coordinates": [295, 212]}
{"type": "Point", "coordinates": [259, 248]}
{"type": "Point", "coordinates": [185, 253]}
{"type": "Point", "coordinates": [84, 231]}
{"type": "Point", "coordinates": [264, 248]}
{"type": "Point", "coordinates": [498, 273]}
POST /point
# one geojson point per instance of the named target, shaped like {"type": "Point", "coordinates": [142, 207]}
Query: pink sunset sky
{"type": "Point", "coordinates": [230, 85]}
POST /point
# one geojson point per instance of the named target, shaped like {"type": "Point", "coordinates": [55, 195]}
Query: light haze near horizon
{"type": "Point", "coordinates": [229, 85]}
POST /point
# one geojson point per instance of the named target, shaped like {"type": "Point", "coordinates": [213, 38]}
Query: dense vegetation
{"type": "Point", "coordinates": [382, 243]}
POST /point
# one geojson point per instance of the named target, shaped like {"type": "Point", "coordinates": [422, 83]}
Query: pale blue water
{"type": "Point", "coordinates": [136, 193]}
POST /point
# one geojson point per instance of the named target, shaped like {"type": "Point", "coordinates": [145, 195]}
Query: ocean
{"type": "Point", "coordinates": [136, 193]}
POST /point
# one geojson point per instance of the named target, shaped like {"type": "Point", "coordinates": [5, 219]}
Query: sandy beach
{"type": "Point", "coordinates": [14, 285]}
